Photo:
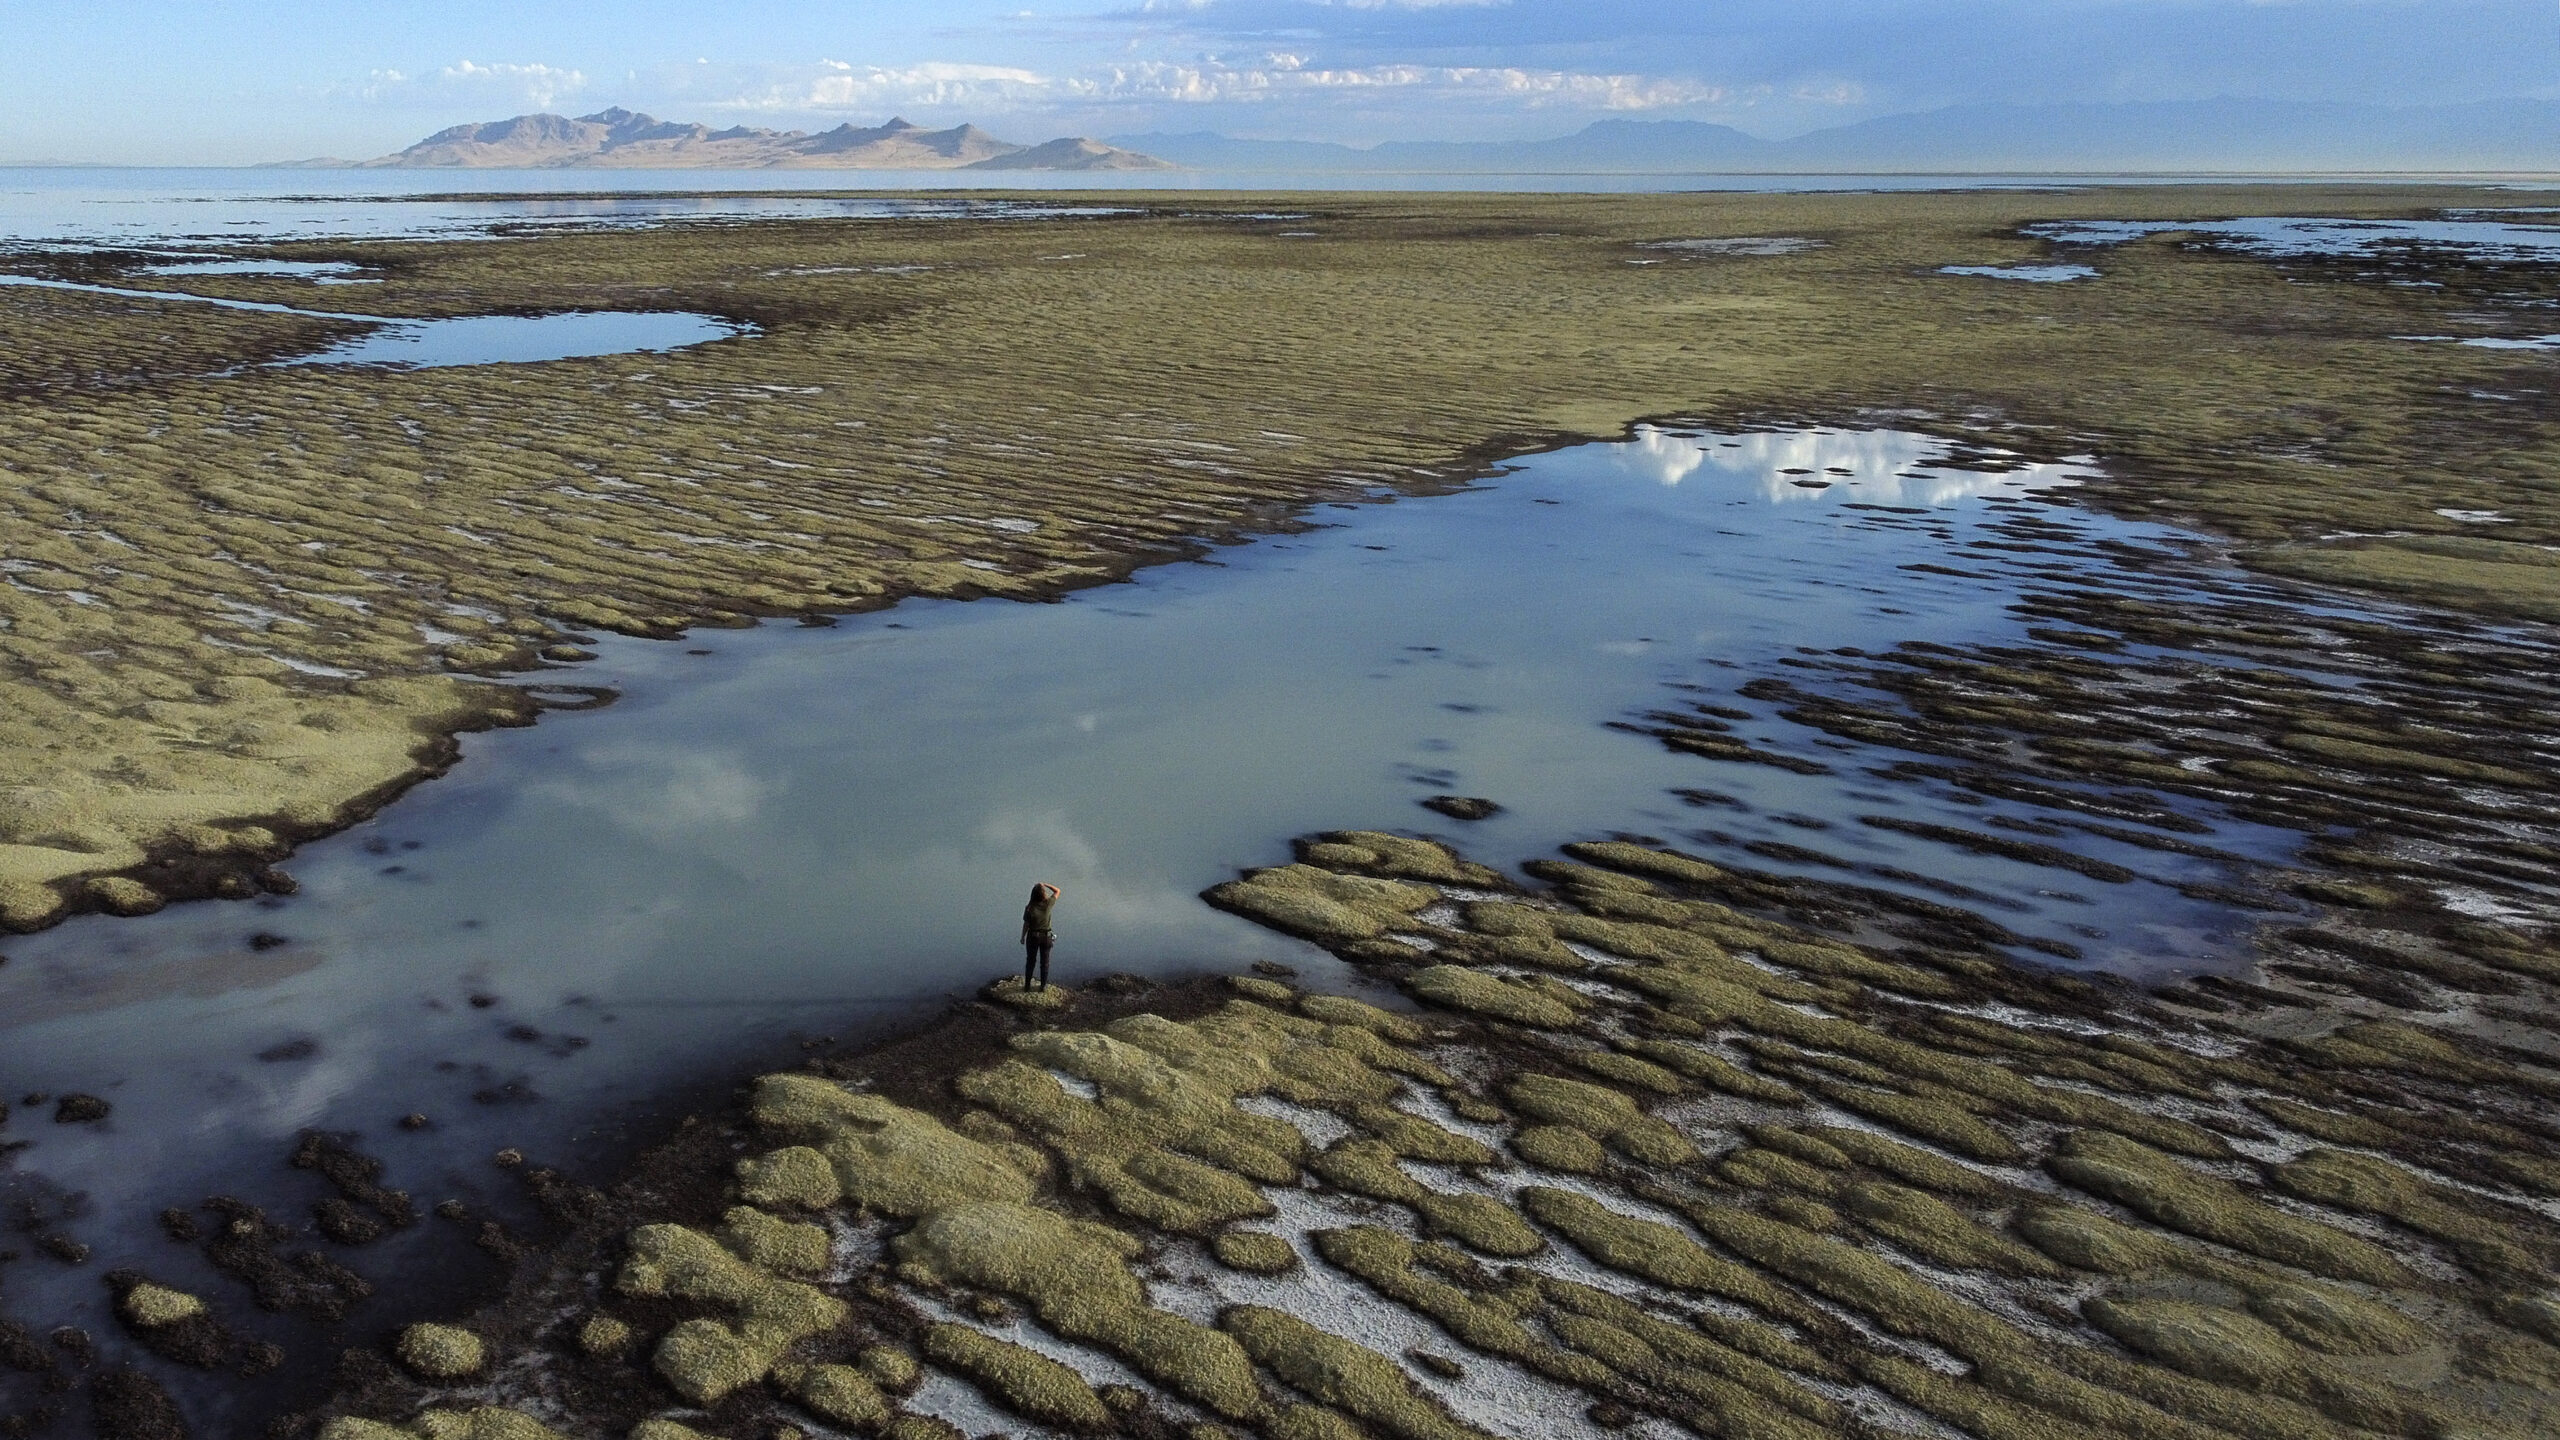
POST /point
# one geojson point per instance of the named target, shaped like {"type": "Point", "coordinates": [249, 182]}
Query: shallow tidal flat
{"type": "Point", "coordinates": [245, 608]}
{"type": "Point", "coordinates": [1794, 1140]}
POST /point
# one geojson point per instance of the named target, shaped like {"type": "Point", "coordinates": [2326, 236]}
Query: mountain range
{"type": "Point", "coordinates": [2181, 136]}
{"type": "Point", "coordinates": [623, 139]}
{"type": "Point", "coordinates": [2157, 136]}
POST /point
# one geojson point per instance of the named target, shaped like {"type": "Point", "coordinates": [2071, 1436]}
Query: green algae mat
{"type": "Point", "coordinates": [245, 606]}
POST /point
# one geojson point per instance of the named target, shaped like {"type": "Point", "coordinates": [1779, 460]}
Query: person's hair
{"type": "Point", "coordinates": [1036, 889]}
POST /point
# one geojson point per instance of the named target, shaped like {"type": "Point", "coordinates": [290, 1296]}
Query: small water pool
{"type": "Point", "coordinates": [2296, 237]}
{"type": "Point", "coordinates": [297, 269]}
{"type": "Point", "coordinates": [524, 339]}
{"type": "Point", "coordinates": [408, 344]}
{"type": "Point", "coordinates": [2041, 274]}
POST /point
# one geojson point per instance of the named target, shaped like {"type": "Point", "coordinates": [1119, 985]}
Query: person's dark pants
{"type": "Point", "coordinates": [1035, 955]}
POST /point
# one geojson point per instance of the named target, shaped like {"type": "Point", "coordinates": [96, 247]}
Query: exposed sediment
{"type": "Point", "coordinates": [1694, 1166]}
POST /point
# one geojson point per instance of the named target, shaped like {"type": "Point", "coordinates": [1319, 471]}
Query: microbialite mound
{"type": "Point", "coordinates": [1641, 1153]}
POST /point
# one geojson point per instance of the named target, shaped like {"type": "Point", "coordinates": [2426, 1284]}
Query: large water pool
{"type": "Point", "coordinates": [792, 830]}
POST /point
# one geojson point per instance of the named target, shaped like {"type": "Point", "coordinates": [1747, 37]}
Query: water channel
{"type": "Point", "coordinates": [794, 830]}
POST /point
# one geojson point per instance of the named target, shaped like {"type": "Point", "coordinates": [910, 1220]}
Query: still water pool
{"type": "Point", "coordinates": [790, 830]}
{"type": "Point", "coordinates": [407, 344]}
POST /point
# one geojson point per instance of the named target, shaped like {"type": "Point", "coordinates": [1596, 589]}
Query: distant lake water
{"type": "Point", "coordinates": [47, 205]}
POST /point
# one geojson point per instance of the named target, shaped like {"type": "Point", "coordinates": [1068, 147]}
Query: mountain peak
{"type": "Point", "coordinates": [626, 139]}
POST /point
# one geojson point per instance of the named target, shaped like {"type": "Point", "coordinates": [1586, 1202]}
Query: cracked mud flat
{"type": "Point", "coordinates": [1672, 1144]}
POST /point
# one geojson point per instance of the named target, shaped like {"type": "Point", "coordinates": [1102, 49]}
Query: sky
{"type": "Point", "coordinates": [219, 82]}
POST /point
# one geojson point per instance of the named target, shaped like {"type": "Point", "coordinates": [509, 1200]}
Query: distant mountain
{"type": "Point", "coordinates": [622, 139]}
{"type": "Point", "coordinates": [2207, 135]}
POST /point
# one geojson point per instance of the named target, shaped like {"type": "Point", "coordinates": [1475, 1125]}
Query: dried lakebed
{"type": "Point", "coordinates": [743, 828]}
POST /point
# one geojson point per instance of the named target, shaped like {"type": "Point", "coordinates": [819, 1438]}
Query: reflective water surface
{"type": "Point", "coordinates": [57, 205]}
{"type": "Point", "coordinates": [788, 829]}
{"type": "Point", "coordinates": [2287, 236]}
{"type": "Point", "coordinates": [465, 339]}
{"type": "Point", "coordinates": [2046, 274]}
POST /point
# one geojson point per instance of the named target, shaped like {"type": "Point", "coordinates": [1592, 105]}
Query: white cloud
{"type": "Point", "coordinates": [837, 86]}
{"type": "Point", "coordinates": [535, 85]}
{"type": "Point", "coordinates": [538, 85]}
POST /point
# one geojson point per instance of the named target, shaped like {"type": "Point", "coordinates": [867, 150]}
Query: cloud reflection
{"type": "Point", "coordinates": [665, 793]}
{"type": "Point", "coordinates": [1878, 467]}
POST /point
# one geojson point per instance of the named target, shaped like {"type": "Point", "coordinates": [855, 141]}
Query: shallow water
{"type": "Point", "coordinates": [291, 269]}
{"type": "Point", "coordinates": [466, 339]}
{"type": "Point", "coordinates": [524, 339]}
{"type": "Point", "coordinates": [790, 829]}
{"type": "Point", "coordinates": [2290, 237]}
{"type": "Point", "coordinates": [2041, 274]}
{"type": "Point", "coordinates": [43, 206]}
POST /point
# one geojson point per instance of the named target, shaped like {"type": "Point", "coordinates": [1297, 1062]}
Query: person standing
{"type": "Point", "coordinates": [1037, 936]}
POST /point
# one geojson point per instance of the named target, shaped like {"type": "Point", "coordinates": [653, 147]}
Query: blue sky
{"type": "Point", "coordinates": [220, 82]}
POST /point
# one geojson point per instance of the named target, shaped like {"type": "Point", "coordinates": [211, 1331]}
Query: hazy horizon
{"type": "Point", "coordinates": [151, 82]}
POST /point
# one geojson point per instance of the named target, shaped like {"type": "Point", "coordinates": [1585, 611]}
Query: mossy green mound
{"type": "Point", "coordinates": [839, 1394]}
{"type": "Point", "coordinates": [153, 1307]}
{"type": "Point", "coordinates": [885, 1157]}
{"type": "Point", "coordinates": [1347, 1376]}
{"type": "Point", "coordinates": [1321, 905]}
{"type": "Point", "coordinates": [1075, 1278]}
{"type": "Point", "coordinates": [2163, 1191]}
{"type": "Point", "coordinates": [1256, 1252]}
{"type": "Point", "coordinates": [705, 1359]}
{"type": "Point", "coordinates": [1023, 1381]}
{"type": "Point", "coordinates": [441, 1352]}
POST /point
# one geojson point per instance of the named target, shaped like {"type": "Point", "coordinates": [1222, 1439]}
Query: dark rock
{"type": "Point", "coordinates": [346, 1224]}
{"type": "Point", "coordinates": [296, 1049]}
{"type": "Point", "coordinates": [130, 1405]}
{"type": "Point", "coordinates": [180, 1225]}
{"type": "Point", "coordinates": [19, 1350]}
{"type": "Point", "coordinates": [308, 1284]}
{"type": "Point", "coordinates": [357, 1179]}
{"type": "Point", "coordinates": [500, 1245]}
{"type": "Point", "coordinates": [1462, 807]}
{"type": "Point", "coordinates": [267, 940]}
{"type": "Point", "coordinates": [63, 1248]}
{"type": "Point", "coordinates": [1274, 969]}
{"type": "Point", "coordinates": [414, 1121]}
{"type": "Point", "coordinates": [561, 1198]}
{"type": "Point", "coordinates": [78, 1109]}
{"type": "Point", "coordinates": [1610, 1415]}
{"type": "Point", "coordinates": [1440, 1365]}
